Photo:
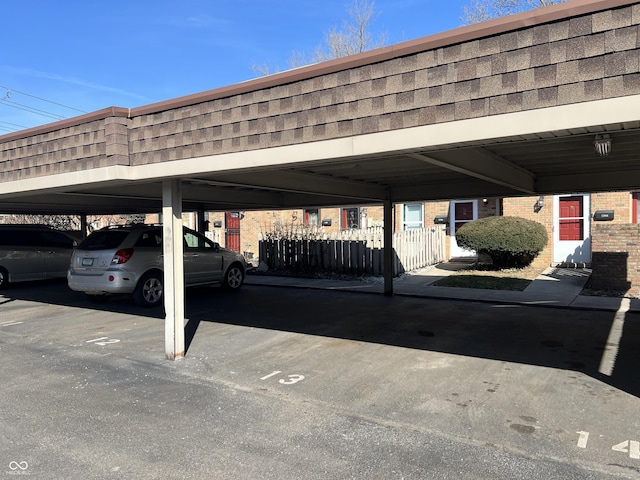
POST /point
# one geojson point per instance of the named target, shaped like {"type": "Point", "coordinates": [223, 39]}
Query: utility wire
{"type": "Point", "coordinates": [26, 108]}
{"type": "Point", "coordinates": [9, 90]}
{"type": "Point", "coordinates": [4, 100]}
{"type": "Point", "coordinates": [12, 124]}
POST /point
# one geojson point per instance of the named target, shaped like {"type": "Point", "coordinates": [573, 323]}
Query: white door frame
{"type": "Point", "coordinates": [456, 251]}
{"type": "Point", "coordinates": [572, 251]}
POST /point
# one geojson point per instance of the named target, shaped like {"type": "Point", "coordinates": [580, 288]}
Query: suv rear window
{"type": "Point", "coordinates": [103, 240]}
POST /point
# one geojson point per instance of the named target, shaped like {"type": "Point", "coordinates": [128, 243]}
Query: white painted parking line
{"type": "Point", "coordinates": [583, 439]}
{"type": "Point", "coordinates": [608, 361]}
{"type": "Point", "coordinates": [271, 374]}
{"type": "Point", "coordinates": [7, 324]}
{"type": "Point", "coordinates": [102, 341]}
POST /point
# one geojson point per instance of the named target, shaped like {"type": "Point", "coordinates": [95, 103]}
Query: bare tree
{"type": "Point", "coordinates": [354, 37]}
{"type": "Point", "coordinates": [59, 222]}
{"type": "Point", "coordinates": [481, 10]}
{"type": "Point", "coordinates": [71, 222]}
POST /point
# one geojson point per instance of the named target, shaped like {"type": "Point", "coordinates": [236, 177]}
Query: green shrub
{"type": "Point", "coordinates": [509, 241]}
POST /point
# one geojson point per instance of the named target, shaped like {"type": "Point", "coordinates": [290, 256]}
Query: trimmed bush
{"type": "Point", "coordinates": [509, 241]}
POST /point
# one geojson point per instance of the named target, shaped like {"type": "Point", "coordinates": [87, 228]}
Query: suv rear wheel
{"type": "Point", "coordinates": [149, 291]}
{"type": "Point", "coordinates": [4, 277]}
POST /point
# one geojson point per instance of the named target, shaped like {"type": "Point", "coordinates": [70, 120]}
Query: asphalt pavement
{"type": "Point", "coordinates": [317, 382]}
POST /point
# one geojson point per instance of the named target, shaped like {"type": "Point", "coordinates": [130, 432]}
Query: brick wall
{"type": "Point", "coordinates": [619, 202]}
{"type": "Point", "coordinates": [525, 207]}
{"type": "Point", "coordinates": [254, 223]}
{"type": "Point", "coordinates": [615, 258]}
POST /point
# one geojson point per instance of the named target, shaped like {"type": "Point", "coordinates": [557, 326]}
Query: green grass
{"type": "Point", "coordinates": [484, 281]}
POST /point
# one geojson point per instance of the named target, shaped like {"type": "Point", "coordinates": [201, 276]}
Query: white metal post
{"type": "Point", "coordinates": [173, 268]}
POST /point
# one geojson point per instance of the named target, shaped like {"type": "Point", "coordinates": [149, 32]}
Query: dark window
{"type": "Point", "coordinates": [55, 240]}
{"type": "Point", "coordinates": [12, 237]}
{"type": "Point", "coordinates": [103, 240]}
{"type": "Point", "coordinates": [311, 216]}
{"type": "Point", "coordinates": [151, 238]}
{"type": "Point", "coordinates": [350, 218]}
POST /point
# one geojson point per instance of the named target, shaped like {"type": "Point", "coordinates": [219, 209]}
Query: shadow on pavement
{"type": "Point", "coordinates": [549, 337]}
{"type": "Point", "coordinates": [568, 339]}
{"type": "Point", "coordinates": [56, 292]}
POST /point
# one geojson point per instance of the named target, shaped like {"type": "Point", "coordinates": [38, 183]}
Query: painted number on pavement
{"type": "Point", "coordinates": [102, 341]}
{"type": "Point", "coordinates": [289, 380]}
{"type": "Point", "coordinates": [630, 447]}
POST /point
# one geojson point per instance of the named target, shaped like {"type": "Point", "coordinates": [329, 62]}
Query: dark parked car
{"type": "Point", "coordinates": [33, 252]}
{"type": "Point", "coordinates": [129, 259]}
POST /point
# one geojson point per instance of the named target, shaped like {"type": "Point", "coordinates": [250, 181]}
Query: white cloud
{"type": "Point", "coordinates": [70, 80]}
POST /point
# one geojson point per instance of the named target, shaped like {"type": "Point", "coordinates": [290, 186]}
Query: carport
{"type": "Point", "coordinates": [504, 108]}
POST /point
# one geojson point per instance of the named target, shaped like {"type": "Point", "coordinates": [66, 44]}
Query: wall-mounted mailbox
{"type": "Point", "coordinates": [441, 220]}
{"type": "Point", "coordinates": [217, 223]}
{"type": "Point", "coordinates": [603, 215]}
{"type": "Point", "coordinates": [326, 222]}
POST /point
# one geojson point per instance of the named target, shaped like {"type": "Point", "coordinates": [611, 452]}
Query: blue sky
{"type": "Point", "coordinates": [89, 55]}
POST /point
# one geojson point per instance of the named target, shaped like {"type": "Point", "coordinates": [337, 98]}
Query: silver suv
{"type": "Point", "coordinates": [33, 252]}
{"type": "Point", "coordinates": [128, 259]}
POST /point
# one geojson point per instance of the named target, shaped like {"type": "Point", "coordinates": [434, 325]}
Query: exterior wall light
{"type": "Point", "coordinates": [602, 144]}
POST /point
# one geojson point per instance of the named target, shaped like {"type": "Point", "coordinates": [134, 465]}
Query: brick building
{"type": "Point", "coordinates": [597, 229]}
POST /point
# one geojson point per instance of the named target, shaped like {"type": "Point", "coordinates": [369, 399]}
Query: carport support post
{"type": "Point", "coordinates": [172, 250]}
{"type": "Point", "coordinates": [388, 253]}
{"type": "Point", "coordinates": [83, 225]}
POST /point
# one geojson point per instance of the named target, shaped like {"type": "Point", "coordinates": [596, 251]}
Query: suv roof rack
{"type": "Point", "coordinates": [130, 225]}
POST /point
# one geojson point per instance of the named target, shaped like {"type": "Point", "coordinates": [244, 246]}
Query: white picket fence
{"type": "Point", "coordinates": [352, 251]}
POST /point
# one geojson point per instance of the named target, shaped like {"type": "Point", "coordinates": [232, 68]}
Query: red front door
{"type": "Point", "coordinates": [232, 231]}
{"type": "Point", "coordinates": [571, 219]}
{"type": "Point", "coordinates": [571, 229]}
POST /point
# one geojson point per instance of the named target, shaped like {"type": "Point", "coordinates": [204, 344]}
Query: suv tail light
{"type": "Point", "coordinates": [122, 256]}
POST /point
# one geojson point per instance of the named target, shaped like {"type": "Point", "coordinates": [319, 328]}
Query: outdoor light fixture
{"type": "Point", "coordinates": [602, 143]}
{"type": "Point", "coordinates": [539, 204]}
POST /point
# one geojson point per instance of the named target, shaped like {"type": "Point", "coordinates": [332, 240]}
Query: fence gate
{"type": "Point", "coordinates": [232, 231]}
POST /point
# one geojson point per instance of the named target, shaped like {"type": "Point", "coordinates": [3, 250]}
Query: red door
{"type": "Point", "coordinates": [463, 213]}
{"type": "Point", "coordinates": [571, 220]}
{"type": "Point", "coordinates": [232, 231]}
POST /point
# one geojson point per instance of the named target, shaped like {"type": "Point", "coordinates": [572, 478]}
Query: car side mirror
{"type": "Point", "coordinates": [216, 247]}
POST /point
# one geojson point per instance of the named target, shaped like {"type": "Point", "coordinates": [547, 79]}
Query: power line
{"type": "Point", "coordinates": [9, 90]}
{"type": "Point", "coordinates": [4, 100]}
{"type": "Point", "coordinates": [26, 108]}
{"type": "Point", "coordinates": [12, 124]}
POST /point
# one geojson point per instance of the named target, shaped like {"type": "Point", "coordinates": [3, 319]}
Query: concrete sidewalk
{"type": "Point", "coordinates": [555, 287]}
